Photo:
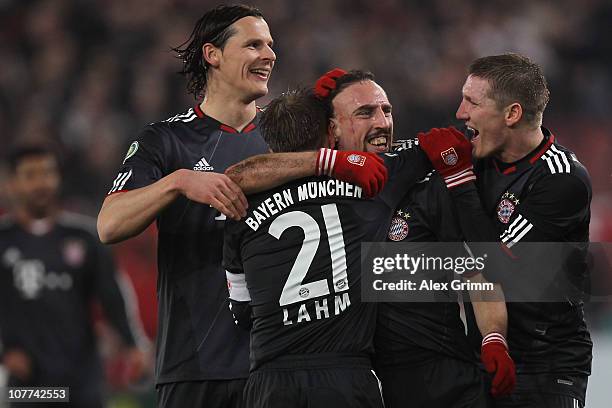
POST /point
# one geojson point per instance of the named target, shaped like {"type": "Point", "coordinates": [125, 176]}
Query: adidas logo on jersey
{"type": "Point", "coordinates": [203, 165]}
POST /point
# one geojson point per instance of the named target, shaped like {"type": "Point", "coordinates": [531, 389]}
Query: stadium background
{"type": "Point", "coordinates": [88, 74]}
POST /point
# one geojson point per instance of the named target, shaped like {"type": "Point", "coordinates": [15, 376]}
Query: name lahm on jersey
{"type": "Point", "coordinates": [306, 191]}
{"type": "Point", "coordinates": [322, 308]}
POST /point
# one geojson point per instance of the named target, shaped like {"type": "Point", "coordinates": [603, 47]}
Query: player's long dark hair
{"type": "Point", "coordinates": [213, 27]}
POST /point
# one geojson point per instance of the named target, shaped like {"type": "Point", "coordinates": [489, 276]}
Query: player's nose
{"type": "Point", "coordinates": [381, 120]}
{"type": "Point", "coordinates": [268, 54]}
{"type": "Point", "coordinates": [462, 113]}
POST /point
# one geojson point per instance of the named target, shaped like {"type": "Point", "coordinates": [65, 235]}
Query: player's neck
{"type": "Point", "coordinates": [228, 109]}
{"type": "Point", "coordinates": [520, 144]}
{"type": "Point", "coordinates": [38, 224]}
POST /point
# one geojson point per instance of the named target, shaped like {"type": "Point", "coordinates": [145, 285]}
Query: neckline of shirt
{"type": "Point", "coordinates": [222, 126]}
{"type": "Point", "coordinates": [530, 159]}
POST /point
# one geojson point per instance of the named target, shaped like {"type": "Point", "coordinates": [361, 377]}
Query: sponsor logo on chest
{"type": "Point", "coordinates": [31, 276]}
{"type": "Point", "coordinates": [203, 165]}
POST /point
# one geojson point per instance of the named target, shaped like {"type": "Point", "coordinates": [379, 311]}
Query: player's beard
{"type": "Point", "coordinates": [41, 205]}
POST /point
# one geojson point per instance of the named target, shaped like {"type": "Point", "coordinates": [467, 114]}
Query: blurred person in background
{"type": "Point", "coordinates": [52, 268]}
{"type": "Point", "coordinates": [173, 173]}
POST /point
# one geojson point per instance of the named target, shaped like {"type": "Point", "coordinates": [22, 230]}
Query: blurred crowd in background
{"type": "Point", "coordinates": [88, 74]}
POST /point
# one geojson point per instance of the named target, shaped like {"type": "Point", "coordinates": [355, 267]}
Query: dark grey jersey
{"type": "Point", "coordinates": [196, 338]}
{"type": "Point", "coordinates": [299, 249]}
{"type": "Point", "coordinates": [544, 197]}
{"type": "Point", "coordinates": [48, 283]}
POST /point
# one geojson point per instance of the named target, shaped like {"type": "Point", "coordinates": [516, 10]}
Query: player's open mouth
{"type": "Point", "coordinates": [378, 141]}
{"type": "Point", "coordinates": [472, 134]}
{"type": "Point", "coordinates": [261, 73]}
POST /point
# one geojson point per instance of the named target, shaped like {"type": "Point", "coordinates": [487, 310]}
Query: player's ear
{"type": "Point", "coordinates": [513, 114]}
{"type": "Point", "coordinates": [211, 54]}
{"type": "Point", "coordinates": [332, 133]}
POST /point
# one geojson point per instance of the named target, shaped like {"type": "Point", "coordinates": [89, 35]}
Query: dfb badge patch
{"type": "Point", "coordinates": [450, 157]}
{"type": "Point", "coordinates": [399, 229]}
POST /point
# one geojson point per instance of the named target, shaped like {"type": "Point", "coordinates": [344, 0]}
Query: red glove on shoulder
{"type": "Point", "coordinates": [366, 170]}
{"type": "Point", "coordinates": [450, 154]}
{"type": "Point", "coordinates": [494, 355]}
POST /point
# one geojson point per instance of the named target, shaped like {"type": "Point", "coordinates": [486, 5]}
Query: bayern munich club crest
{"type": "Point", "coordinates": [506, 207]}
{"type": "Point", "coordinates": [449, 157]}
{"type": "Point", "coordinates": [399, 229]}
{"type": "Point", "coordinates": [356, 159]}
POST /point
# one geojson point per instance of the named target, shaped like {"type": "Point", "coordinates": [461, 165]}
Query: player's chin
{"type": "Point", "coordinates": [259, 85]}
{"type": "Point", "coordinates": [370, 148]}
{"type": "Point", "coordinates": [477, 150]}
{"type": "Point", "coordinates": [39, 209]}
{"type": "Point", "coordinates": [259, 91]}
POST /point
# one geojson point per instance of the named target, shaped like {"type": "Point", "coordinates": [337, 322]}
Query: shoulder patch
{"type": "Point", "coordinates": [131, 151]}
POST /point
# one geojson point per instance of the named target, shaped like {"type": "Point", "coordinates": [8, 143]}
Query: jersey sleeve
{"type": "Point", "coordinates": [239, 297]}
{"type": "Point", "coordinates": [406, 166]}
{"type": "Point", "coordinates": [232, 260]}
{"type": "Point", "coordinates": [9, 336]}
{"type": "Point", "coordinates": [116, 296]}
{"type": "Point", "coordinates": [144, 163]}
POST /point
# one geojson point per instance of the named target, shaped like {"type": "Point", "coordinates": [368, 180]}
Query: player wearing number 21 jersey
{"type": "Point", "coordinates": [299, 249]}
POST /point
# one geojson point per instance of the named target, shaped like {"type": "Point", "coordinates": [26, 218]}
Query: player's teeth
{"type": "Point", "coordinates": [377, 141]}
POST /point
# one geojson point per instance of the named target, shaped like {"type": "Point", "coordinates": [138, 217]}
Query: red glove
{"type": "Point", "coordinates": [450, 154]}
{"type": "Point", "coordinates": [366, 170]}
{"type": "Point", "coordinates": [327, 82]}
{"type": "Point", "coordinates": [497, 361]}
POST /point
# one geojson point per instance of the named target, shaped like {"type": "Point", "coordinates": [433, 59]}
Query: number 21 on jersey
{"type": "Point", "coordinates": [295, 290]}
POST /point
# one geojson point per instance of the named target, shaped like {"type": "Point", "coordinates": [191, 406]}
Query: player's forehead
{"type": "Point", "coordinates": [37, 162]}
{"type": "Point", "coordinates": [476, 88]}
{"type": "Point", "coordinates": [360, 94]}
{"type": "Point", "coordinates": [251, 28]}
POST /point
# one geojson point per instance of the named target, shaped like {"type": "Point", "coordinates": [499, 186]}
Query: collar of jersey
{"type": "Point", "coordinates": [530, 159]}
{"type": "Point", "coordinates": [222, 126]}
